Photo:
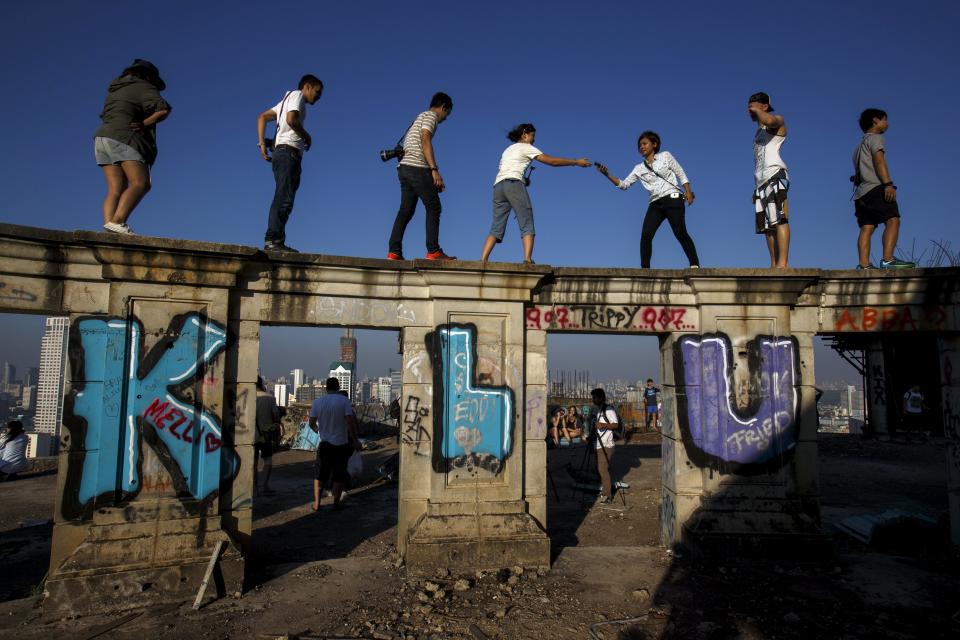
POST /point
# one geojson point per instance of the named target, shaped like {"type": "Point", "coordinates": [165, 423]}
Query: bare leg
{"type": "Point", "coordinates": [116, 183]}
{"type": "Point", "coordinates": [891, 231]}
{"type": "Point", "coordinates": [528, 248]}
{"type": "Point", "coordinates": [488, 246]}
{"type": "Point", "coordinates": [783, 245]}
{"type": "Point", "coordinates": [316, 495]}
{"type": "Point", "coordinates": [138, 184]}
{"type": "Point", "coordinates": [772, 247]}
{"type": "Point", "coordinates": [337, 492]}
{"type": "Point", "coordinates": [863, 243]}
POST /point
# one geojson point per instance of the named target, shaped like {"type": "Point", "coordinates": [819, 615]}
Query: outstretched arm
{"type": "Point", "coordinates": [602, 168]}
{"type": "Point", "coordinates": [562, 162]}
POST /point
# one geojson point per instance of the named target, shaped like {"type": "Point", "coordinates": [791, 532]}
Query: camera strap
{"type": "Point", "coordinates": [404, 136]}
{"type": "Point", "coordinates": [649, 165]}
{"type": "Point", "coordinates": [283, 103]}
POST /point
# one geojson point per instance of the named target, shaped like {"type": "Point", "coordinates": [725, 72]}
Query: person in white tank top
{"type": "Point", "coordinates": [770, 173]}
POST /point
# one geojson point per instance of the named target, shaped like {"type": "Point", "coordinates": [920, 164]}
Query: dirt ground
{"type": "Point", "coordinates": [333, 574]}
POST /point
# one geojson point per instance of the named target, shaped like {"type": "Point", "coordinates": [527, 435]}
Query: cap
{"type": "Point", "coordinates": [151, 70]}
{"type": "Point", "coordinates": [762, 98]}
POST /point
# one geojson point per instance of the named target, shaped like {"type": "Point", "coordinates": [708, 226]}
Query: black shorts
{"type": "Point", "coordinates": [873, 210]}
{"type": "Point", "coordinates": [332, 462]}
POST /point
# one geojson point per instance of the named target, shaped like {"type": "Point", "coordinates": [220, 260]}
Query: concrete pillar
{"type": "Point", "coordinates": [877, 399]}
{"type": "Point", "coordinates": [949, 347]}
{"type": "Point", "coordinates": [535, 426]}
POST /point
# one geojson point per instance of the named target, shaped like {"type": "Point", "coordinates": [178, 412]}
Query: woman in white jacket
{"type": "Point", "coordinates": [13, 451]}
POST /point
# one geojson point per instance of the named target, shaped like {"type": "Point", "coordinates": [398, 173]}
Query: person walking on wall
{"type": "Point", "coordinates": [662, 176]}
{"type": "Point", "coordinates": [604, 427]}
{"type": "Point", "coordinates": [874, 194]}
{"type": "Point", "coordinates": [289, 145]}
{"type": "Point", "coordinates": [332, 418]}
{"type": "Point", "coordinates": [770, 173]}
{"type": "Point", "coordinates": [125, 143]}
{"type": "Point", "coordinates": [510, 188]}
{"type": "Point", "coordinates": [420, 179]}
{"type": "Point", "coordinates": [269, 434]}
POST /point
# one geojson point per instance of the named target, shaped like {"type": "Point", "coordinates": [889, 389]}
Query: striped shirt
{"type": "Point", "coordinates": [412, 146]}
{"type": "Point", "coordinates": [661, 178]}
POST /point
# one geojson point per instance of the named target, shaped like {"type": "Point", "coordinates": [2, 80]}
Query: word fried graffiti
{"type": "Point", "coordinates": [903, 318]}
{"type": "Point", "coordinates": [611, 318]}
{"type": "Point", "coordinates": [714, 430]}
{"type": "Point", "coordinates": [360, 311]}
{"type": "Point", "coordinates": [120, 399]}
{"type": "Point", "coordinates": [475, 423]}
{"type": "Point", "coordinates": [413, 430]}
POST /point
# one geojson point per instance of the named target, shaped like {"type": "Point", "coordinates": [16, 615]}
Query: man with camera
{"type": "Point", "coordinates": [420, 179]}
{"type": "Point", "coordinates": [606, 424]}
{"type": "Point", "coordinates": [291, 141]}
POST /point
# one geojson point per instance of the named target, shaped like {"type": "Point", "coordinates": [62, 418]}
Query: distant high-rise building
{"type": "Point", "coordinates": [308, 393]}
{"type": "Point", "coordinates": [40, 445]}
{"type": "Point", "coordinates": [281, 395]}
{"type": "Point", "coordinates": [28, 398]}
{"type": "Point", "coordinates": [343, 372]}
{"type": "Point", "coordinates": [299, 378]}
{"type": "Point", "coordinates": [385, 389]}
{"type": "Point", "coordinates": [396, 385]}
{"type": "Point", "coordinates": [348, 348]}
{"type": "Point", "coordinates": [33, 377]}
{"type": "Point", "coordinates": [53, 360]}
{"type": "Point", "coordinates": [9, 375]}
{"type": "Point", "coordinates": [366, 390]}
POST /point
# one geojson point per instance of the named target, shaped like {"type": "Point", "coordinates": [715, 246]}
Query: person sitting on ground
{"type": "Point", "coordinates": [556, 423]}
{"type": "Point", "coordinates": [13, 451]}
{"type": "Point", "coordinates": [571, 424]}
{"type": "Point", "coordinates": [510, 188]}
{"type": "Point", "coordinates": [269, 433]}
{"type": "Point", "coordinates": [125, 144]}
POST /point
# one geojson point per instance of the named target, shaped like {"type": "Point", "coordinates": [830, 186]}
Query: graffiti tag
{"type": "Point", "coordinates": [902, 318]}
{"type": "Point", "coordinates": [589, 317]}
{"type": "Point", "coordinates": [413, 430]}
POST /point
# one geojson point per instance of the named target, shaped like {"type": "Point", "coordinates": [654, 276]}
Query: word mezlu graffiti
{"type": "Point", "coordinates": [599, 317]}
{"type": "Point", "coordinates": [718, 434]}
{"type": "Point", "coordinates": [474, 424]}
{"type": "Point", "coordinates": [902, 318]}
{"type": "Point", "coordinates": [119, 398]}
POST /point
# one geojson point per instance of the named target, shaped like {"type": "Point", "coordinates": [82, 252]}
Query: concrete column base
{"type": "Point", "coordinates": [486, 541]}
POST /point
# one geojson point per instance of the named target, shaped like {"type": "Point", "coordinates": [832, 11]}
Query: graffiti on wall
{"type": "Point", "coordinates": [878, 385]}
{"type": "Point", "coordinates": [896, 318]}
{"type": "Point", "coordinates": [473, 423]}
{"type": "Point", "coordinates": [716, 431]}
{"type": "Point", "coordinates": [414, 433]}
{"type": "Point", "coordinates": [122, 398]}
{"type": "Point", "coordinates": [602, 317]}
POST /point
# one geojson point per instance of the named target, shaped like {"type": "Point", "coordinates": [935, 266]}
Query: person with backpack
{"type": "Point", "coordinates": [874, 194]}
{"type": "Point", "coordinates": [605, 425]}
{"type": "Point", "coordinates": [662, 176]}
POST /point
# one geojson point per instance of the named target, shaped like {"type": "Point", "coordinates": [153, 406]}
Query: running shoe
{"type": "Point", "coordinates": [395, 256]}
{"type": "Point", "coordinates": [896, 264]}
{"type": "Point", "coordinates": [278, 246]}
{"type": "Point", "coordinates": [115, 227]}
{"type": "Point", "coordinates": [439, 255]}
{"type": "Point", "coordinates": [870, 265]}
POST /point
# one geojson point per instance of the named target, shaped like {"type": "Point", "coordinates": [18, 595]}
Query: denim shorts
{"type": "Point", "coordinates": [110, 151]}
{"type": "Point", "coordinates": [511, 194]}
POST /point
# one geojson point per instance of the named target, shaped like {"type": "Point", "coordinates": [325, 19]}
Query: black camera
{"type": "Point", "coordinates": [390, 154]}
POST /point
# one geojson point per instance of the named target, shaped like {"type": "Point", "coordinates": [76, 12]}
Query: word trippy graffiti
{"type": "Point", "coordinates": [475, 422]}
{"type": "Point", "coordinates": [413, 430]}
{"type": "Point", "coordinates": [714, 430]}
{"type": "Point", "coordinates": [598, 317]}
{"type": "Point", "coordinates": [119, 398]}
{"type": "Point", "coordinates": [902, 318]}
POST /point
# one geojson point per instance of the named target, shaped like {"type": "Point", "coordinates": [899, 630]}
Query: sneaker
{"type": "Point", "coordinates": [870, 265]}
{"type": "Point", "coordinates": [395, 256]}
{"type": "Point", "coordinates": [896, 264]}
{"type": "Point", "coordinates": [278, 246]}
{"type": "Point", "coordinates": [122, 229]}
{"type": "Point", "coordinates": [439, 255]}
{"type": "Point", "coordinates": [694, 266]}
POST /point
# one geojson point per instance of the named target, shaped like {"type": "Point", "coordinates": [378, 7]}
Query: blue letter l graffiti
{"type": "Point", "coordinates": [122, 396]}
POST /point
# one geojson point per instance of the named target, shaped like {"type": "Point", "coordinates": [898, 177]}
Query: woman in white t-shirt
{"type": "Point", "coordinates": [510, 188]}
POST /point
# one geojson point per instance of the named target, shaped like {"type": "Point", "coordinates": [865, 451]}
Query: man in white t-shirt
{"type": "Point", "coordinates": [913, 406]}
{"type": "Point", "coordinates": [420, 179]}
{"type": "Point", "coordinates": [606, 423]}
{"type": "Point", "coordinates": [331, 416]}
{"type": "Point", "coordinates": [291, 141]}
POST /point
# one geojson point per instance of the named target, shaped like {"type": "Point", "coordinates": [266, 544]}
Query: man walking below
{"type": "Point", "coordinates": [770, 173]}
{"type": "Point", "coordinates": [268, 436]}
{"type": "Point", "coordinates": [331, 416]}
{"type": "Point", "coordinates": [291, 141]}
{"type": "Point", "coordinates": [607, 422]}
{"type": "Point", "coordinates": [420, 179]}
{"type": "Point", "coordinates": [874, 194]}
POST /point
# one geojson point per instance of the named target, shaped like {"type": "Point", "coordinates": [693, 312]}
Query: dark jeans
{"type": "Point", "coordinates": [286, 173]}
{"type": "Point", "coordinates": [416, 182]}
{"type": "Point", "coordinates": [672, 210]}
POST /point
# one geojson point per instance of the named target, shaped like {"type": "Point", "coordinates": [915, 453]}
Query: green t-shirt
{"type": "Point", "coordinates": [130, 99]}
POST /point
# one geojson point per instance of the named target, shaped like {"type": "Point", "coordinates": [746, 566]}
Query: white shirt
{"type": "Point", "coordinates": [13, 454]}
{"type": "Point", "coordinates": [663, 177]}
{"type": "Point", "coordinates": [605, 435]}
{"type": "Point", "coordinates": [413, 145]}
{"type": "Point", "coordinates": [285, 135]}
{"type": "Point", "coordinates": [766, 155]}
{"type": "Point", "coordinates": [331, 411]}
{"type": "Point", "coordinates": [515, 160]}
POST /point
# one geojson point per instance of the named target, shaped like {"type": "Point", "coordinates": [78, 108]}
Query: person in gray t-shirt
{"type": "Point", "coordinates": [875, 195]}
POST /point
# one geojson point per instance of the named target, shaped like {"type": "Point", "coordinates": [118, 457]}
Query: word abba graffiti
{"type": "Point", "coordinates": [474, 425]}
{"type": "Point", "coordinates": [714, 430]}
{"type": "Point", "coordinates": [904, 318]}
{"type": "Point", "coordinates": [590, 317]}
{"type": "Point", "coordinates": [119, 398]}
{"type": "Point", "coordinates": [413, 430]}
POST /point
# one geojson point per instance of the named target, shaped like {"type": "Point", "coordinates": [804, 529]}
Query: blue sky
{"type": "Point", "coordinates": [589, 76]}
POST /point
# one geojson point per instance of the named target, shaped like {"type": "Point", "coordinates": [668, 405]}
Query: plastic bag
{"type": "Point", "coordinates": [355, 466]}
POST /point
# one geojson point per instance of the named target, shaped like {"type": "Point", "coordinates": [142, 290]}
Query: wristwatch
{"type": "Point", "coordinates": [435, 169]}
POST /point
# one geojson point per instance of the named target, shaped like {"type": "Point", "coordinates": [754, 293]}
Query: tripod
{"type": "Point", "coordinates": [588, 468]}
